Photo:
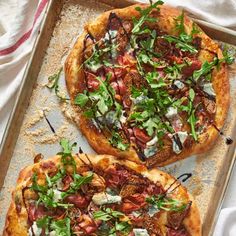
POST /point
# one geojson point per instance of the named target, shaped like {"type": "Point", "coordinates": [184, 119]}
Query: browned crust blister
{"type": "Point", "coordinates": [166, 22]}
{"type": "Point", "coordinates": [16, 223]}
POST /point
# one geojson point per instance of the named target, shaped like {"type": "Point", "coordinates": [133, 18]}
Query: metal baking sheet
{"type": "Point", "coordinates": [28, 133]}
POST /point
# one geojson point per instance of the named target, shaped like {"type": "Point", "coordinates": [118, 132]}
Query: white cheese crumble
{"type": "Point", "coordinates": [136, 213]}
{"type": "Point", "coordinates": [150, 151]}
{"type": "Point", "coordinates": [139, 99]}
{"type": "Point", "coordinates": [182, 137]}
{"type": "Point", "coordinates": [153, 210]}
{"type": "Point", "coordinates": [105, 198]}
{"type": "Point", "coordinates": [122, 117]}
{"type": "Point", "coordinates": [140, 232]}
{"type": "Point", "coordinates": [52, 233]}
{"type": "Point", "coordinates": [178, 84]}
{"type": "Point", "coordinates": [112, 34]}
{"type": "Point", "coordinates": [37, 231]}
{"type": "Point", "coordinates": [208, 88]}
{"type": "Point", "coordinates": [56, 195]}
{"type": "Point", "coordinates": [171, 112]}
{"type": "Point", "coordinates": [152, 141]}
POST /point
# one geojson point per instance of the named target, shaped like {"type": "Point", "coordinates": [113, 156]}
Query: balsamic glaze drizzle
{"type": "Point", "coordinates": [50, 125]}
{"type": "Point", "coordinates": [228, 140]}
{"type": "Point", "coordinates": [185, 177]}
{"type": "Point", "coordinates": [177, 141]}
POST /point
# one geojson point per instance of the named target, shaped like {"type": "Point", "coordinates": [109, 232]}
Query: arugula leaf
{"type": "Point", "coordinates": [81, 99]}
{"type": "Point", "coordinates": [229, 54]}
{"type": "Point", "coordinates": [53, 84]}
{"type": "Point", "coordinates": [117, 141]}
{"type": "Point", "coordinates": [61, 227]}
{"type": "Point", "coordinates": [79, 180]}
{"type": "Point", "coordinates": [179, 23]}
{"type": "Point", "coordinates": [167, 204]}
{"type": "Point", "coordinates": [191, 113]}
{"type": "Point", "coordinates": [205, 69]}
{"type": "Point", "coordinates": [44, 223]}
{"type": "Point", "coordinates": [154, 80]}
{"type": "Point", "coordinates": [138, 92]}
{"type": "Point", "coordinates": [179, 43]}
{"type": "Point", "coordinates": [144, 17]}
{"type": "Point", "coordinates": [179, 26]}
{"type": "Point", "coordinates": [36, 187]}
{"type": "Point", "coordinates": [107, 214]}
{"type": "Point", "coordinates": [110, 215]}
{"type": "Point", "coordinates": [123, 227]}
{"type": "Point", "coordinates": [66, 154]}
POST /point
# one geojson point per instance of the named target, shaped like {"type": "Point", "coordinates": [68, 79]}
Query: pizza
{"type": "Point", "coordinates": [147, 85]}
{"type": "Point", "coordinates": [99, 195]}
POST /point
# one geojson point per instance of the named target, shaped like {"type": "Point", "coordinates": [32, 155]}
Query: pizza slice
{"type": "Point", "coordinates": [148, 85]}
{"type": "Point", "coordinates": [99, 195]}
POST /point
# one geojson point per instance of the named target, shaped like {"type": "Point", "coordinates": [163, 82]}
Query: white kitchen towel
{"type": "Point", "coordinates": [19, 30]}
{"type": "Point", "coordinates": [19, 23]}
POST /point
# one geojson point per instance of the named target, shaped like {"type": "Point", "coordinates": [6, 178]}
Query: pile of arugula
{"type": "Point", "coordinates": [46, 194]}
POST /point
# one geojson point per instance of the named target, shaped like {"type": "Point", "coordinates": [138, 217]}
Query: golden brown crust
{"type": "Point", "coordinates": [16, 224]}
{"type": "Point", "coordinates": [166, 23]}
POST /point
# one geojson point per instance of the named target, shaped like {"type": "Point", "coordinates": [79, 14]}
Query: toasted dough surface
{"type": "Point", "coordinates": [166, 22]}
{"type": "Point", "coordinates": [16, 220]}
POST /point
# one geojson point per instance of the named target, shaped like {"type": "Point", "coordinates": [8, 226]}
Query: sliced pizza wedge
{"type": "Point", "coordinates": [148, 85]}
{"type": "Point", "coordinates": [99, 195]}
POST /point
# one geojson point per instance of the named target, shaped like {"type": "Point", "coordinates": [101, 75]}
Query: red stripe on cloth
{"type": "Point", "coordinates": [25, 36]}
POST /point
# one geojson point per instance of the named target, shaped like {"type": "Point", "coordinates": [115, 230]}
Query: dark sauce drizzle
{"type": "Point", "coordinates": [228, 140]}
{"type": "Point", "coordinates": [49, 123]}
{"type": "Point", "coordinates": [184, 178]}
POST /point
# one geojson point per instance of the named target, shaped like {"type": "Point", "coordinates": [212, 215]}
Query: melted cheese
{"type": "Point", "coordinates": [37, 231]}
{"type": "Point", "coordinates": [182, 137]}
{"type": "Point", "coordinates": [105, 198]}
{"type": "Point", "coordinates": [140, 232]}
{"type": "Point", "coordinates": [208, 88]}
{"type": "Point", "coordinates": [171, 112]}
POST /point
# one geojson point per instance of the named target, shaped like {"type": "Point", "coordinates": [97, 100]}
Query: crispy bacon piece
{"type": "Point", "coordinates": [119, 86]}
{"type": "Point", "coordinates": [66, 181]}
{"type": "Point", "coordinates": [188, 70]}
{"type": "Point", "coordinates": [176, 59]}
{"type": "Point", "coordinates": [78, 200]}
{"type": "Point", "coordinates": [92, 82]}
{"type": "Point", "coordinates": [209, 105]}
{"type": "Point", "coordinates": [175, 219]}
{"type": "Point", "coordinates": [133, 203]}
{"type": "Point", "coordinates": [141, 135]}
{"type": "Point", "coordinates": [36, 212]}
{"type": "Point", "coordinates": [126, 60]}
{"type": "Point", "coordinates": [115, 73]}
{"type": "Point", "coordinates": [116, 177]}
{"type": "Point", "coordinates": [178, 232]}
{"type": "Point", "coordinates": [153, 189]}
{"type": "Point", "coordinates": [48, 165]}
{"type": "Point", "coordinates": [87, 225]}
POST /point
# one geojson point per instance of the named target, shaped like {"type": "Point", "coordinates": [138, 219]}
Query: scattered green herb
{"type": "Point", "coordinates": [179, 43]}
{"type": "Point", "coordinates": [164, 203]}
{"type": "Point", "coordinates": [117, 141]}
{"type": "Point", "coordinates": [53, 85]}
